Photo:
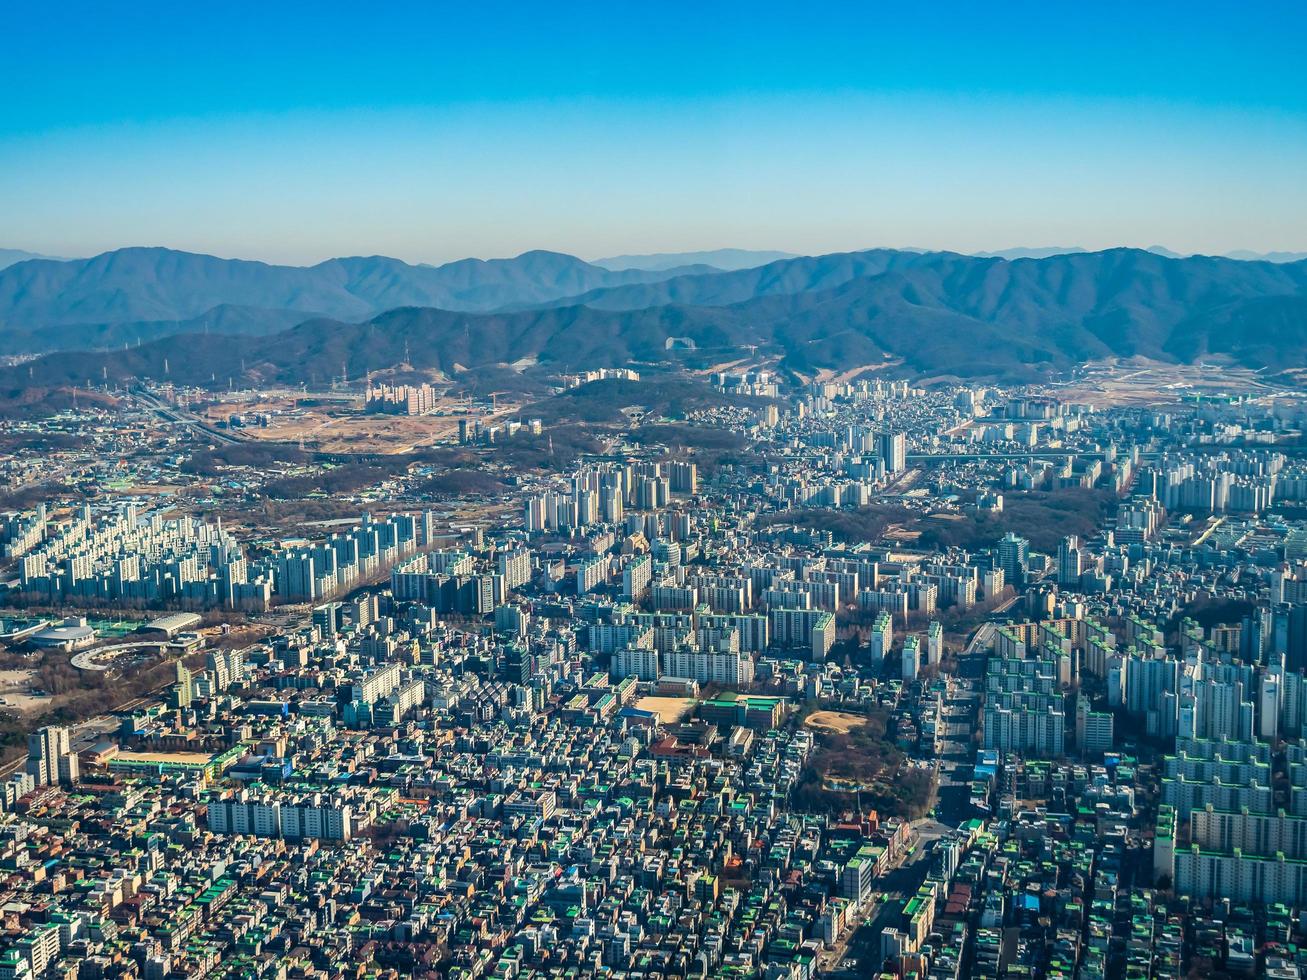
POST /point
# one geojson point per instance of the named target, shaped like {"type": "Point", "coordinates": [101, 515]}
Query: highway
{"type": "Point", "coordinates": [171, 414]}
{"type": "Point", "coordinates": [982, 639]}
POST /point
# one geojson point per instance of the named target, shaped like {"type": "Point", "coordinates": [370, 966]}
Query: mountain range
{"type": "Point", "coordinates": [51, 304]}
{"type": "Point", "coordinates": [12, 256]}
{"type": "Point", "coordinates": [726, 259]}
{"type": "Point", "coordinates": [932, 313]}
{"type": "Point", "coordinates": [1248, 256]}
{"type": "Point", "coordinates": [136, 295]}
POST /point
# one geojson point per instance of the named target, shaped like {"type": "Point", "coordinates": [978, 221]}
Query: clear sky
{"type": "Point", "coordinates": [293, 132]}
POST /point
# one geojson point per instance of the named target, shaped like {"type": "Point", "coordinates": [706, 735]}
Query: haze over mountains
{"type": "Point", "coordinates": [12, 256]}
{"type": "Point", "coordinates": [47, 304]}
{"type": "Point", "coordinates": [726, 259]}
{"type": "Point", "coordinates": [1248, 256]}
{"type": "Point", "coordinates": [932, 313]}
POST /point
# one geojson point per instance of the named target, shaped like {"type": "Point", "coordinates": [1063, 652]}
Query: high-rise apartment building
{"type": "Point", "coordinates": [50, 757]}
{"type": "Point", "coordinates": [1013, 553]}
{"type": "Point", "coordinates": [892, 448]}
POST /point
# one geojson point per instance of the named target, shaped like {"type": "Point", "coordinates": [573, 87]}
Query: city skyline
{"type": "Point", "coordinates": [851, 523]}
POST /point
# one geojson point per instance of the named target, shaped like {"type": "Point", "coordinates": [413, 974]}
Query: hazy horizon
{"type": "Point", "coordinates": [646, 252]}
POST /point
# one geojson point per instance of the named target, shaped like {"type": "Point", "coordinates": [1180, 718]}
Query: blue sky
{"type": "Point", "coordinates": [292, 132]}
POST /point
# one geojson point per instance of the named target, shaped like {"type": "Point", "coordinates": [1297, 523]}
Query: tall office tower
{"type": "Point", "coordinates": [1289, 634]}
{"type": "Point", "coordinates": [1070, 561]}
{"type": "Point", "coordinates": [1013, 551]}
{"type": "Point", "coordinates": [328, 618]}
{"type": "Point", "coordinates": [893, 449]}
{"type": "Point", "coordinates": [50, 757]}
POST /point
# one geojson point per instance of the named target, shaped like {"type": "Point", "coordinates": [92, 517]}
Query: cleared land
{"type": "Point", "coordinates": [343, 426]}
{"type": "Point", "coordinates": [14, 687]}
{"type": "Point", "coordinates": [668, 710]}
{"type": "Point", "coordinates": [840, 722]}
{"type": "Point", "coordinates": [1143, 382]}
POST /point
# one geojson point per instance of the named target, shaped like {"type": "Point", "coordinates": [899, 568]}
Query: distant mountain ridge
{"type": "Point", "coordinates": [12, 256]}
{"type": "Point", "coordinates": [932, 314]}
{"type": "Point", "coordinates": [1043, 252]}
{"type": "Point", "coordinates": [135, 295]}
{"type": "Point", "coordinates": [226, 319]}
{"type": "Point", "coordinates": [147, 285]}
{"type": "Point", "coordinates": [801, 274]}
{"type": "Point", "coordinates": [1242, 254]}
{"type": "Point", "coordinates": [725, 259]}
{"type": "Point", "coordinates": [1245, 255]}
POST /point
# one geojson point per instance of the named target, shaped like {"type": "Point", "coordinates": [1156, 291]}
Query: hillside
{"type": "Point", "coordinates": [1067, 284]}
{"type": "Point", "coordinates": [784, 277]}
{"type": "Point", "coordinates": [158, 285]}
{"type": "Point", "coordinates": [225, 319]}
{"type": "Point", "coordinates": [935, 313]}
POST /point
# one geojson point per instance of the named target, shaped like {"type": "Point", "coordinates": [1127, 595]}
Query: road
{"type": "Point", "coordinates": [955, 752]}
{"type": "Point", "coordinates": [171, 414]}
{"type": "Point", "coordinates": [858, 948]}
{"type": "Point", "coordinates": [982, 639]}
{"type": "Point", "coordinates": [857, 951]}
{"type": "Point", "coordinates": [1005, 605]}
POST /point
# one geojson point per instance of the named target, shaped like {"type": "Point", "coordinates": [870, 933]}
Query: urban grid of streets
{"type": "Point", "coordinates": [654, 702]}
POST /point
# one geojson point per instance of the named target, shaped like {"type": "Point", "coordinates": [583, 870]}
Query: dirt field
{"type": "Point", "coordinates": [897, 532]}
{"type": "Point", "coordinates": [669, 710]}
{"type": "Point", "coordinates": [339, 427]}
{"type": "Point", "coordinates": [834, 721]}
{"type": "Point", "coordinates": [853, 374]}
{"type": "Point", "coordinates": [343, 426]}
{"type": "Point", "coordinates": [14, 685]}
{"type": "Point", "coordinates": [1139, 381]}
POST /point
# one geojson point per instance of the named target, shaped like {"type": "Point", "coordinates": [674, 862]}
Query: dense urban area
{"type": "Point", "coordinates": [657, 672]}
